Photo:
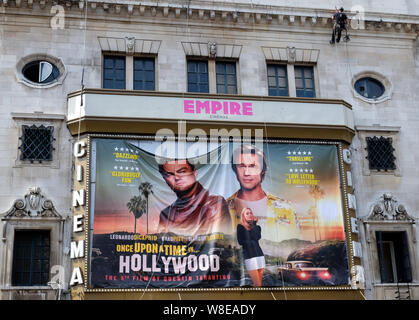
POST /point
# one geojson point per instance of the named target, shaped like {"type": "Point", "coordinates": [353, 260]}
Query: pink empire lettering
{"type": "Point", "coordinates": [217, 107]}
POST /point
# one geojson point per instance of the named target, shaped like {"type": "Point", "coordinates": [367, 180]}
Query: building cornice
{"type": "Point", "coordinates": [222, 12]}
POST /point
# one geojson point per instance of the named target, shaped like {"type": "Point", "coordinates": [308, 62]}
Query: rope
{"type": "Point", "coordinates": [351, 75]}
{"type": "Point", "coordinates": [82, 63]}
{"type": "Point", "coordinates": [354, 102]}
{"type": "Point", "coordinates": [267, 149]}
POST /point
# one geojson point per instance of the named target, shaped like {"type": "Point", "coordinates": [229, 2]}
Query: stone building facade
{"type": "Point", "coordinates": [75, 36]}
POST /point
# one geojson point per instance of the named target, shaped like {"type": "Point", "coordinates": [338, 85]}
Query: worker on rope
{"type": "Point", "coordinates": [340, 20]}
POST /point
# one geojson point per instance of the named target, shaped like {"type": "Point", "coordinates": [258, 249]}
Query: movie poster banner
{"type": "Point", "coordinates": [228, 215]}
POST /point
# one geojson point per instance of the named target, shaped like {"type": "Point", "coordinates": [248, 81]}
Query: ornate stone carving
{"type": "Point", "coordinates": [34, 197]}
{"type": "Point", "coordinates": [291, 53]}
{"type": "Point", "coordinates": [388, 208]}
{"type": "Point", "coordinates": [130, 45]}
{"type": "Point", "coordinates": [212, 49]}
{"type": "Point", "coordinates": [34, 204]}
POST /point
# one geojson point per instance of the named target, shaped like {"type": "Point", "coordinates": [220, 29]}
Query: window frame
{"type": "Point", "coordinates": [129, 69]}
{"type": "Point", "coordinates": [387, 132]}
{"type": "Point", "coordinates": [32, 259]}
{"type": "Point", "coordinates": [371, 165]}
{"type": "Point", "coordinates": [154, 72]}
{"type": "Point", "coordinates": [388, 86]}
{"type": "Point", "coordinates": [54, 226]}
{"type": "Point", "coordinates": [23, 141]}
{"type": "Point", "coordinates": [212, 74]}
{"type": "Point", "coordinates": [387, 214]}
{"type": "Point", "coordinates": [367, 81]}
{"type": "Point", "coordinates": [34, 212]}
{"type": "Point", "coordinates": [233, 62]}
{"type": "Point", "coordinates": [39, 63]}
{"type": "Point", "coordinates": [197, 59]}
{"type": "Point", "coordinates": [395, 263]}
{"type": "Point", "coordinates": [290, 66]}
{"type": "Point", "coordinates": [125, 69]}
{"type": "Point", "coordinates": [313, 73]}
{"type": "Point", "coordinates": [29, 119]}
{"type": "Point", "coordinates": [40, 57]}
{"type": "Point", "coordinates": [371, 227]}
{"type": "Point", "coordinates": [285, 65]}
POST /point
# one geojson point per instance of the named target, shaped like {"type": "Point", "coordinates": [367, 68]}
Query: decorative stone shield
{"type": "Point", "coordinates": [32, 205]}
{"type": "Point", "coordinates": [388, 208]}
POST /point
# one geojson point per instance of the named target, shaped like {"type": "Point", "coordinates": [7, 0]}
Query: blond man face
{"type": "Point", "coordinates": [249, 169]}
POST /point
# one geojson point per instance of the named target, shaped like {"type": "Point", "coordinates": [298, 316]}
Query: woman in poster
{"type": "Point", "coordinates": [248, 235]}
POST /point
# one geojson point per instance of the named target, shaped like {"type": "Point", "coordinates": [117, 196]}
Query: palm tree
{"type": "Point", "coordinates": [146, 188]}
{"type": "Point", "coordinates": [317, 194]}
{"type": "Point", "coordinates": [137, 205]}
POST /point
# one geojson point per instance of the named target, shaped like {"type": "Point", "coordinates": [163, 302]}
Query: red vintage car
{"type": "Point", "coordinates": [303, 272]}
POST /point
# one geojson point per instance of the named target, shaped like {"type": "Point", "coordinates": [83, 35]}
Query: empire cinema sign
{"type": "Point", "coordinates": [102, 104]}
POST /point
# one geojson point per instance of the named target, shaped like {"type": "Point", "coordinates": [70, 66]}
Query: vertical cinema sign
{"type": "Point", "coordinates": [79, 216]}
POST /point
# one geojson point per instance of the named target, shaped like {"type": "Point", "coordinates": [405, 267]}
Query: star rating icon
{"type": "Point", "coordinates": [299, 152]}
{"type": "Point", "coordinates": [116, 168]}
{"type": "Point", "coordinates": [121, 168]}
{"type": "Point", "coordinates": [301, 170]}
{"type": "Point", "coordinates": [116, 149]}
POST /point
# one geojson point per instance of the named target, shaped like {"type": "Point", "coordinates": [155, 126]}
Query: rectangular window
{"type": "Point", "coordinates": [393, 256]}
{"type": "Point", "coordinates": [304, 81]}
{"type": "Point", "coordinates": [198, 76]}
{"type": "Point", "coordinates": [113, 72]}
{"type": "Point", "coordinates": [36, 143]}
{"type": "Point", "coordinates": [277, 80]}
{"type": "Point", "coordinates": [380, 153]}
{"type": "Point", "coordinates": [31, 254]}
{"type": "Point", "coordinates": [226, 77]}
{"type": "Point", "coordinates": [144, 74]}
